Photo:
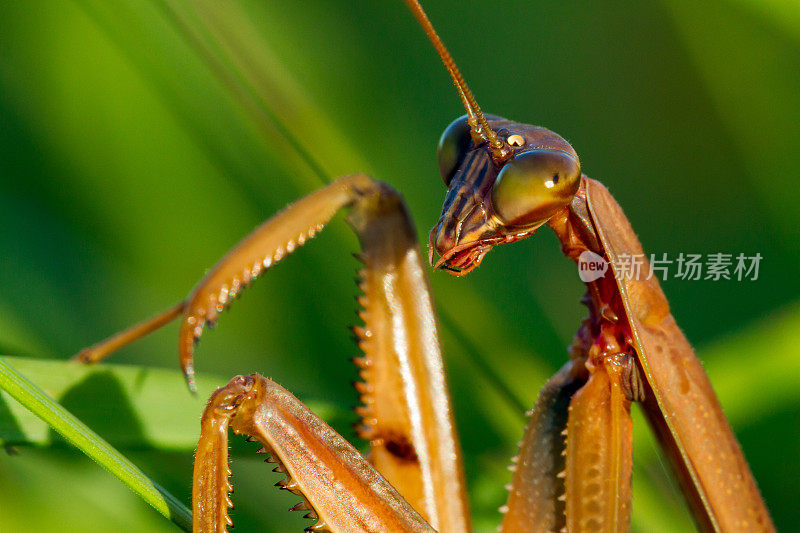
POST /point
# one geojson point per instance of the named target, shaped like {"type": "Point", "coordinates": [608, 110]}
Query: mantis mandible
{"type": "Point", "coordinates": [505, 180]}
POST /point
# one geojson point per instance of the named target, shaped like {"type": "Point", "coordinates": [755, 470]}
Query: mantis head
{"type": "Point", "coordinates": [504, 179]}
{"type": "Point", "coordinates": [498, 194]}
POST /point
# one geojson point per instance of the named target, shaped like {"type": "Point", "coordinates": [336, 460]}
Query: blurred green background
{"type": "Point", "coordinates": [140, 139]}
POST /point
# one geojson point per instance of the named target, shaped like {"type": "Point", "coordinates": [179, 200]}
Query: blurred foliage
{"type": "Point", "coordinates": [139, 140]}
{"type": "Point", "coordinates": [143, 407]}
{"type": "Point", "coordinates": [58, 419]}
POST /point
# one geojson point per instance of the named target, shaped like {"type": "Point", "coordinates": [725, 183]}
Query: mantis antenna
{"type": "Point", "coordinates": [478, 123]}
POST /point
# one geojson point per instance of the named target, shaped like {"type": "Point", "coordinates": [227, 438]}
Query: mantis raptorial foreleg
{"type": "Point", "coordinates": [680, 403]}
{"type": "Point", "coordinates": [406, 414]}
{"type": "Point", "coordinates": [535, 500]}
{"type": "Point", "coordinates": [573, 472]}
{"type": "Point", "coordinates": [599, 443]}
{"type": "Point", "coordinates": [339, 487]}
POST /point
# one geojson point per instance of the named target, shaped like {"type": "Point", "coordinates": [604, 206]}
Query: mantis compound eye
{"type": "Point", "coordinates": [535, 184]}
{"type": "Point", "coordinates": [454, 144]}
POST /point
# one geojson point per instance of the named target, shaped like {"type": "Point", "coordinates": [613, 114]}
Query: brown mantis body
{"type": "Point", "coordinates": [505, 180]}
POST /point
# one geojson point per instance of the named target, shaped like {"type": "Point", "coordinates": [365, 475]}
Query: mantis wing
{"type": "Point", "coordinates": [681, 405]}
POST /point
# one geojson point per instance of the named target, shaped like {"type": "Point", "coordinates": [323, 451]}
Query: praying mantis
{"type": "Point", "coordinates": [492, 265]}
{"type": "Point", "coordinates": [505, 180]}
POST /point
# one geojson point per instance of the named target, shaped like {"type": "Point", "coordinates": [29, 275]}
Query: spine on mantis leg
{"type": "Point", "coordinates": [535, 501]}
{"type": "Point", "coordinates": [405, 414]}
{"type": "Point", "coordinates": [266, 245]}
{"type": "Point", "coordinates": [211, 485]}
{"type": "Point", "coordinates": [270, 242]}
{"type": "Point", "coordinates": [574, 466]}
{"type": "Point", "coordinates": [339, 488]}
{"type": "Point", "coordinates": [681, 405]}
{"type": "Point", "coordinates": [599, 448]}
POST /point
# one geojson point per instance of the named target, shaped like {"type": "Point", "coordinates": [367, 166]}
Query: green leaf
{"type": "Point", "coordinates": [76, 432]}
{"type": "Point", "coordinates": [130, 406]}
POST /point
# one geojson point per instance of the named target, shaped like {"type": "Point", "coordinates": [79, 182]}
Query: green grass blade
{"type": "Point", "coordinates": [151, 407]}
{"type": "Point", "coordinates": [75, 431]}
